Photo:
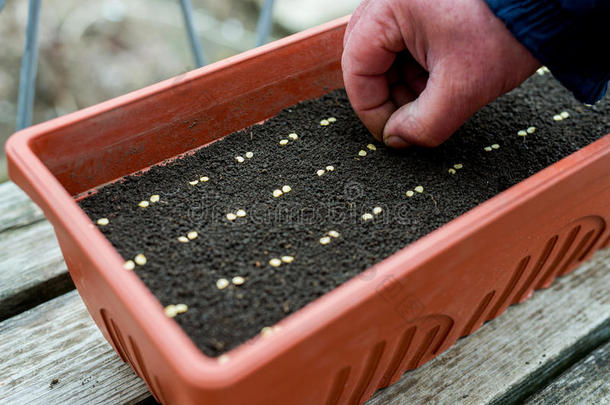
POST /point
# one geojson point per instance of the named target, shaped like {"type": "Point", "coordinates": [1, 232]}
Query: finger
{"type": "Point", "coordinates": [432, 117]}
{"type": "Point", "coordinates": [354, 19]}
{"type": "Point", "coordinates": [369, 53]}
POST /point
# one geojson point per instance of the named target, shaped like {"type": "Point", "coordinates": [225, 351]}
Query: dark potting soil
{"type": "Point", "coordinates": [219, 320]}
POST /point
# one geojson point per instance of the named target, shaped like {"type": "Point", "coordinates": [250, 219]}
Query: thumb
{"type": "Point", "coordinates": [432, 117]}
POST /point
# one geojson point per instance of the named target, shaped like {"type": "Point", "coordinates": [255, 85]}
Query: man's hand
{"type": "Point", "coordinates": [415, 70]}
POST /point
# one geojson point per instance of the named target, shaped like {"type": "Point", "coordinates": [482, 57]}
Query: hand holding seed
{"type": "Point", "coordinates": [415, 70]}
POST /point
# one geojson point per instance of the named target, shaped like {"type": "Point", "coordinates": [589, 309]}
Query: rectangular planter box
{"type": "Point", "coordinates": [359, 337]}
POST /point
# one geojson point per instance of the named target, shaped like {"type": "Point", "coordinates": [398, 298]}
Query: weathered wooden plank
{"type": "Point", "coordinates": [58, 340]}
{"type": "Point", "coordinates": [32, 269]}
{"type": "Point", "coordinates": [586, 382]}
{"type": "Point", "coordinates": [514, 355]}
{"type": "Point", "coordinates": [16, 208]}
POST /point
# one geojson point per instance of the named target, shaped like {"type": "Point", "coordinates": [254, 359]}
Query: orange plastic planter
{"type": "Point", "coordinates": [357, 338]}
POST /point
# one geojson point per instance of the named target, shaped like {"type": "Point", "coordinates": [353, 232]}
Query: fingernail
{"type": "Point", "coordinates": [396, 142]}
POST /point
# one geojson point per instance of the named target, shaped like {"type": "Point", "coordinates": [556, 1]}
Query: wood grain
{"type": "Point", "coordinates": [32, 269]}
{"type": "Point", "coordinates": [586, 382]}
{"type": "Point", "coordinates": [512, 356]}
{"type": "Point", "coordinates": [58, 340]}
{"type": "Point", "coordinates": [16, 208]}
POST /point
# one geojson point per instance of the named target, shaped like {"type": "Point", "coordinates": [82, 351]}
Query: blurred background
{"type": "Point", "coordinates": [94, 50]}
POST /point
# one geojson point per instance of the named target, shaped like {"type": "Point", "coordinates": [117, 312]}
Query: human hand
{"type": "Point", "coordinates": [415, 70]}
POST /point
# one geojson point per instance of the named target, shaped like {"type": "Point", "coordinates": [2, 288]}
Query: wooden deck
{"type": "Point", "coordinates": [554, 348]}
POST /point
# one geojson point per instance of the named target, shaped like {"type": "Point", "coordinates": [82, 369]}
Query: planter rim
{"type": "Point", "coordinates": [186, 358]}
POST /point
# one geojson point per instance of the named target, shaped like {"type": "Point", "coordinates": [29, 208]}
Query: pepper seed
{"type": "Point", "coordinates": [458, 166]}
{"type": "Point", "coordinates": [238, 280]}
{"type": "Point", "coordinates": [293, 136]}
{"type": "Point", "coordinates": [240, 213]}
{"type": "Point", "coordinates": [522, 132]}
{"type": "Point", "coordinates": [452, 170]}
{"type": "Point", "coordinates": [284, 142]}
{"type": "Point", "coordinates": [204, 179]}
{"type": "Point", "coordinates": [367, 216]}
{"type": "Point", "coordinates": [377, 210]}
{"type": "Point", "coordinates": [320, 172]}
{"type": "Point", "coordinates": [140, 259]}
{"type": "Point", "coordinates": [183, 239]}
{"type": "Point", "coordinates": [239, 159]}
{"type": "Point", "coordinates": [564, 114]}
{"type": "Point", "coordinates": [557, 117]}
{"type": "Point", "coordinates": [231, 216]}
{"type": "Point", "coordinates": [487, 149]}
{"type": "Point", "coordinates": [129, 265]}
{"type": "Point", "coordinates": [495, 146]}
{"type": "Point", "coordinates": [362, 152]}
{"type": "Point", "coordinates": [275, 262]}
{"type": "Point", "coordinates": [409, 193]}
{"type": "Point", "coordinates": [419, 189]}
{"type": "Point", "coordinates": [194, 182]}
{"type": "Point", "coordinates": [334, 234]}
{"type": "Point", "coordinates": [144, 204]}
{"type": "Point", "coordinates": [277, 193]}
{"type": "Point", "coordinates": [531, 130]}
{"type": "Point", "coordinates": [286, 189]}
{"type": "Point", "coordinates": [266, 331]}
{"type": "Point", "coordinates": [181, 308]}
{"type": "Point", "coordinates": [371, 146]}
{"type": "Point", "coordinates": [331, 119]}
{"type": "Point", "coordinates": [222, 283]}
{"type": "Point", "coordinates": [330, 168]}
{"type": "Point", "coordinates": [154, 198]}
{"type": "Point", "coordinates": [288, 259]}
{"type": "Point", "coordinates": [324, 240]}
{"type": "Point", "coordinates": [103, 221]}
{"type": "Point", "coordinates": [324, 123]}
{"type": "Point", "coordinates": [170, 311]}
{"type": "Point", "coordinates": [192, 235]}
{"type": "Point", "coordinates": [249, 155]}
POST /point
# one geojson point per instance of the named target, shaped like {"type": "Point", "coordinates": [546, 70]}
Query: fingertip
{"type": "Point", "coordinates": [396, 142]}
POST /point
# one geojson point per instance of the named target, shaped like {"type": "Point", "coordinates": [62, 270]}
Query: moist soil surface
{"type": "Point", "coordinates": [292, 225]}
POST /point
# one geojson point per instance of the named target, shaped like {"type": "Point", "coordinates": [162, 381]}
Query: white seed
{"type": "Point", "coordinates": [362, 153]}
{"type": "Point", "coordinates": [140, 259]}
{"type": "Point", "coordinates": [287, 259]}
{"type": "Point", "coordinates": [458, 166]}
{"type": "Point", "coordinates": [154, 198]}
{"type": "Point", "coordinates": [238, 280]}
{"type": "Point", "coordinates": [324, 240]}
{"type": "Point", "coordinates": [192, 235]}
{"type": "Point", "coordinates": [286, 189]}
{"type": "Point", "coordinates": [324, 123]}
{"type": "Point", "coordinates": [103, 221]}
{"type": "Point", "coordinates": [223, 359]}
{"type": "Point", "coordinates": [371, 146]}
{"type": "Point", "coordinates": [377, 210]}
{"type": "Point", "coordinates": [367, 216]}
{"type": "Point", "coordinates": [170, 311]}
{"type": "Point", "coordinates": [249, 155]}
{"type": "Point", "coordinates": [222, 283]}
{"type": "Point", "coordinates": [331, 119]}
{"type": "Point", "coordinates": [330, 168]}
{"type": "Point", "coordinates": [487, 149]}
{"type": "Point", "coordinates": [495, 146]}
{"type": "Point", "coordinates": [239, 159]}
{"type": "Point", "coordinates": [183, 239]}
{"type": "Point", "coordinates": [557, 117]}
{"type": "Point", "coordinates": [144, 204]}
{"type": "Point", "coordinates": [181, 308]}
{"type": "Point", "coordinates": [452, 170]}
{"type": "Point", "coordinates": [540, 71]}
{"type": "Point", "coordinates": [334, 234]}
{"type": "Point", "coordinates": [293, 136]}
{"type": "Point", "coordinates": [129, 265]}
{"type": "Point", "coordinates": [320, 172]}
{"type": "Point", "coordinates": [194, 182]}
{"type": "Point", "coordinates": [284, 142]}
{"type": "Point", "coordinates": [275, 262]}
{"type": "Point", "coordinates": [266, 331]}
{"type": "Point", "coordinates": [231, 216]}
{"type": "Point", "coordinates": [409, 193]}
{"type": "Point", "coordinates": [204, 179]}
{"type": "Point", "coordinates": [240, 213]}
{"type": "Point", "coordinates": [277, 193]}
{"type": "Point", "coordinates": [419, 189]}
{"type": "Point", "coordinates": [522, 132]}
{"type": "Point", "coordinates": [565, 114]}
{"type": "Point", "coordinates": [531, 130]}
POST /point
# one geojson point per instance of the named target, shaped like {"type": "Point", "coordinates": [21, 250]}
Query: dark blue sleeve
{"type": "Point", "coordinates": [570, 37]}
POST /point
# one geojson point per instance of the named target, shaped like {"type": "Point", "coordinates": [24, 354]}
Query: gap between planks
{"type": "Point", "coordinates": [59, 340]}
